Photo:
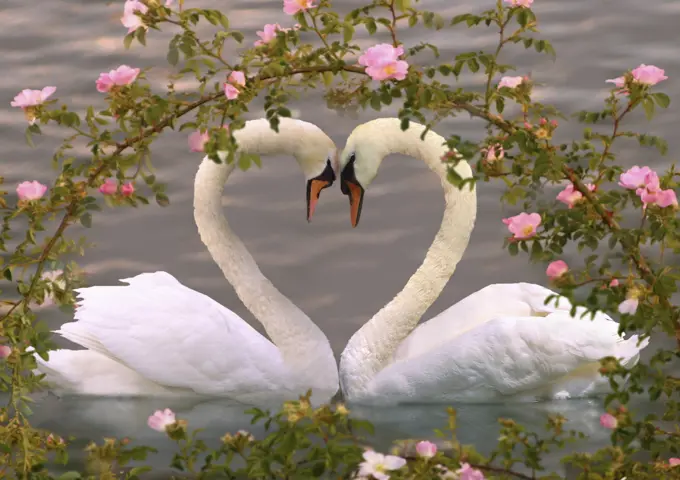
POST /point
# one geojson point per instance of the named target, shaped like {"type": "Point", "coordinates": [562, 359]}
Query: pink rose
{"type": "Point", "coordinates": [493, 153]}
{"type": "Point", "coordinates": [130, 20]}
{"type": "Point", "coordinates": [123, 75]}
{"type": "Point", "coordinates": [614, 283]}
{"type": "Point", "coordinates": [609, 421]}
{"type": "Point", "coordinates": [523, 226]}
{"type": "Point", "coordinates": [31, 190]}
{"type": "Point", "coordinates": [570, 196]}
{"type": "Point", "coordinates": [628, 306]}
{"type": "Point", "coordinates": [237, 78]}
{"type": "Point", "coordinates": [197, 141]}
{"type": "Point", "coordinates": [673, 462]}
{"type": "Point", "coordinates": [127, 189]}
{"type": "Point", "coordinates": [636, 177]}
{"type": "Point", "coordinates": [268, 34]}
{"type": "Point", "coordinates": [109, 187]}
{"type": "Point", "coordinates": [382, 62]}
{"type": "Point", "coordinates": [466, 472]}
{"type": "Point", "coordinates": [161, 419]}
{"type": "Point", "coordinates": [291, 7]}
{"type": "Point", "coordinates": [230, 91]}
{"type": "Point", "coordinates": [426, 449]}
{"type": "Point", "coordinates": [5, 351]}
{"type": "Point", "coordinates": [648, 74]}
{"type": "Point", "coordinates": [519, 3]}
{"type": "Point", "coordinates": [31, 98]}
{"type": "Point", "coordinates": [510, 82]}
{"type": "Point", "coordinates": [556, 269]}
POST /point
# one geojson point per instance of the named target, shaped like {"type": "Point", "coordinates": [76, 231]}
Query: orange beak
{"type": "Point", "coordinates": [356, 200]}
{"type": "Point", "coordinates": [313, 192]}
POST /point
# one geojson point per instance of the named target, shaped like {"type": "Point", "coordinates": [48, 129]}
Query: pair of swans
{"type": "Point", "coordinates": [158, 337]}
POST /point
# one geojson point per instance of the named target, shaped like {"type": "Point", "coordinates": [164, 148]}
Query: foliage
{"type": "Point", "coordinates": [305, 442]}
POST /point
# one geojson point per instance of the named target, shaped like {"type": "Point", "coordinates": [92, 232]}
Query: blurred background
{"type": "Point", "coordinates": [340, 276]}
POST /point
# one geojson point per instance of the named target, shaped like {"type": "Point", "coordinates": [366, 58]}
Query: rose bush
{"type": "Point", "coordinates": [627, 271]}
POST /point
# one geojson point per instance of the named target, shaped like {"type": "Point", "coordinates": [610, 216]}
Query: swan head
{"type": "Point", "coordinates": [360, 160]}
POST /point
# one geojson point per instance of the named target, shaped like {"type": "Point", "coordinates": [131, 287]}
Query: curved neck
{"type": "Point", "coordinates": [372, 346]}
{"type": "Point", "coordinates": [304, 347]}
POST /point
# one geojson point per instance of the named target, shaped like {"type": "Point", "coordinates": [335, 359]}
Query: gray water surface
{"type": "Point", "coordinates": [338, 275]}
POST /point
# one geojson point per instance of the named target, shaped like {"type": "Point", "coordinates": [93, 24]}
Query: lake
{"type": "Point", "coordinates": [340, 276]}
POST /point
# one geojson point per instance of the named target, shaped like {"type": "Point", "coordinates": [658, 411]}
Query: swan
{"type": "Point", "coordinates": [156, 337]}
{"type": "Point", "coordinates": [500, 343]}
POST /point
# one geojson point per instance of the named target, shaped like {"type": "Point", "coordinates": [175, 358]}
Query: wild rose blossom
{"type": "Point", "coordinates": [466, 472]}
{"type": "Point", "coordinates": [291, 7]}
{"type": "Point", "coordinates": [376, 465]}
{"type": "Point", "coordinates": [5, 351]}
{"type": "Point", "coordinates": [268, 33]}
{"type": "Point", "coordinates": [493, 153]}
{"type": "Point", "coordinates": [636, 177]}
{"type": "Point", "coordinates": [426, 449]}
{"type": "Point", "coordinates": [523, 226]}
{"type": "Point", "coordinates": [382, 62]}
{"type": "Point", "coordinates": [127, 189]}
{"type": "Point", "coordinates": [237, 78]}
{"type": "Point", "coordinates": [570, 196]}
{"type": "Point", "coordinates": [628, 306]}
{"type": "Point", "coordinates": [161, 419]}
{"type": "Point", "coordinates": [519, 3]}
{"type": "Point", "coordinates": [31, 98]}
{"type": "Point", "coordinates": [648, 74]}
{"type": "Point", "coordinates": [556, 269]}
{"type": "Point", "coordinates": [109, 187]}
{"type": "Point", "coordinates": [121, 76]}
{"type": "Point", "coordinates": [31, 190]}
{"type": "Point", "coordinates": [673, 462]}
{"type": "Point", "coordinates": [607, 420]}
{"type": "Point", "coordinates": [197, 141]}
{"type": "Point", "coordinates": [130, 19]}
{"type": "Point", "coordinates": [510, 82]}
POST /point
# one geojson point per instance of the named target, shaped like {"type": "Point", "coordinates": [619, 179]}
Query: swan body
{"type": "Point", "coordinates": [154, 336]}
{"type": "Point", "coordinates": [500, 343]}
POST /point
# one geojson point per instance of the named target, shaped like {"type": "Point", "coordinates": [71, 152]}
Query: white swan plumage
{"type": "Point", "coordinates": [498, 344]}
{"type": "Point", "coordinates": [155, 336]}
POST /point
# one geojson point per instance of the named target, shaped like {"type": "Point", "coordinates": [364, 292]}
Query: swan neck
{"type": "Point", "coordinates": [304, 348]}
{"type": "Point", "coordinates": [372, 347]}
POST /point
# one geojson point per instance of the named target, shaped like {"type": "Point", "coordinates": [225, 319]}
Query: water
{"type": "Point", "coordinates": [338, 275]}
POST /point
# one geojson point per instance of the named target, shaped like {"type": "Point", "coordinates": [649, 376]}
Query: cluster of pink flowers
{"type": "Point", "coordinates": [643, 75]}
{"type": "Point", "coordinates": [30, 191]}
{"type": "Point", "coordinates": [645, 182]}
{"type": "Point", "coordinates": [235, 79]}
{"type": "Point", "coordinates": [291, 7]}
{"type": "Point", "coordinates": [382, 62]}
{"type": "Point", "coordinates": [523, 226]}
{"type": "Point", "coordinates": [119, 77]}
{"type": "Point", "coordinates": [110, 187]}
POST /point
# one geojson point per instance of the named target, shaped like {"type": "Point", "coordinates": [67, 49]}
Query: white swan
{"type": "Point", "coordinates": [499, 343]}
{"type": "Point", "coordinates": [157, 337]}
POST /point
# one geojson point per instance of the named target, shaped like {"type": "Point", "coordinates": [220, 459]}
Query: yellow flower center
{"type": "Point", "coordinates": [390, 69]}
{"type": "Point", "coordinates": [528, 230]}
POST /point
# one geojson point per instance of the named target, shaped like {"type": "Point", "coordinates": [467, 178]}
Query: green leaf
{"type": "Point", "coordinates": [402, 5]}
{"type": "Point", "coordinates": [127, 41]}
{"type": "Point", "coordinates": [69, 476]}
{"type": "Point", "coordinates": [86, 220]}
{"type": "Point", "coordinates": [173, 56]}
{"type": "Point", "coordinates": [347, 32]}
{"type": "Point", "coordinates": [661, 99]}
